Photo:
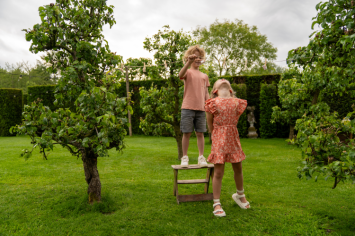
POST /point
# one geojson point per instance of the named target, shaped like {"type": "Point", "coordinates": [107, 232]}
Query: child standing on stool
{"type": "Point", "coordinates": [193, 106]}
{"type": "Point", "coordinates": [223, 111]}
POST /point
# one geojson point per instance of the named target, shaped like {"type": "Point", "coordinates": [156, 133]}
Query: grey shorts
{"type": "Point", "coordinates": [191, 119]}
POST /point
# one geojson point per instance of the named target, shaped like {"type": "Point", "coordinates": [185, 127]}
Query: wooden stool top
{"type": "Point", "coordinates": [178, 167]}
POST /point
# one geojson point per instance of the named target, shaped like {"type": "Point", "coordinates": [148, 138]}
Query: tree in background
{"type": "Point", "coordinates": [23, 74]}
{"type": "Point", "coordinates": [163, 106]}
{"type": "Point", "coordinates": [137, 71]}
{"type": "Point", "coordinates": [71, 33]}
{"type": "Point", "coordinates": [328, 64]}
{"type": "Point", "coordinates": [229, 44]}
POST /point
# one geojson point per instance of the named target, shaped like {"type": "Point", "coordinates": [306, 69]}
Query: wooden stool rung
{"type": "Point", "coordinates": [193, 181]}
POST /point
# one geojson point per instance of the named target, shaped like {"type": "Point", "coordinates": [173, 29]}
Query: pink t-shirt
{"type": "Point", "coordinates": [195, 88]}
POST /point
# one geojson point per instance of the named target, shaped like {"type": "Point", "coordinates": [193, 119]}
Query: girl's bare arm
{"type": "Point", "coordinates": [209, 121]}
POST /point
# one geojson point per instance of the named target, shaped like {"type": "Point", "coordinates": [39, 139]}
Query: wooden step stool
{"type": "Point", "coordinates": [195, 197]}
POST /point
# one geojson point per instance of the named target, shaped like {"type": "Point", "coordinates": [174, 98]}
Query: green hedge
{"type": "Point", "coordinates": [241, 92]}
{"type": "Point", "coordinates": [135, 98]}
{"type": "Point", "coordinates": [44, 92]}
{"type": "Point", "coordinates": [341, 104]}
{"type": "Point", "coordinates": [268, 99]}
{"type": "Point", "coordinates": [10, 109]}
{"type": "Point", "coordinates": [25, 99]}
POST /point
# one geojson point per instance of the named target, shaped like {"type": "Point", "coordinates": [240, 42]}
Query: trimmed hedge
{"type": "Point", "coordinates": [44, 92]}
{"type": "Point", "coordinates": [10, 110]}
{"type": "Point", "coordinates": [25, 99]}
{"type": "Point", "coordinates": [241, 92]}
{"type": "Point", "coordinates": [135, 99]}
{"type": "Point", "coordinates": [268, 99]}
{"type": "Point", "coordinates": [341, 104]}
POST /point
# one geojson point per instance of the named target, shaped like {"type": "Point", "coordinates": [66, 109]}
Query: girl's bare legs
{"type": "Point", "coordinates": [185, 143]}
{"type": "Point", "coordinates": [217, 182]}
{"type": "Point", "coordinates": [238, 178]}
{"type": "Point", "coordinates": [200, 142]}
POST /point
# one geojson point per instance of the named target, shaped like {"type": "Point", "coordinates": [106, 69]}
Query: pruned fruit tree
{"type": "Point", "coordinates": [70, 33]}
{"type": "Point", "coordinates": [328, 64]}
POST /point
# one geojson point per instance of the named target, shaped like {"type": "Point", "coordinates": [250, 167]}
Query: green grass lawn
{"type": "Point", "coordinates": [40, 197]}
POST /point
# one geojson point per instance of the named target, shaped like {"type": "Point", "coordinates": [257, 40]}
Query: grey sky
{"type": "Point", "coordinates": [286, 23]}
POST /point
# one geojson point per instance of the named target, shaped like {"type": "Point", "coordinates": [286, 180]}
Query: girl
{"type": "Point", "coordinates": [223, 111]}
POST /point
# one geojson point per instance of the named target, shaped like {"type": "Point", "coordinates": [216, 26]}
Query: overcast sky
{"type": "Point", "coordinates": [286, 23]}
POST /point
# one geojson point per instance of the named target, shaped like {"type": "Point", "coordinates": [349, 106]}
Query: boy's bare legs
{"type": "Point", "coordinates": [200, 142]}
{"type": "Point", "coordinates": [185, 143]}
{"type": "Point", "coordinates": [238, 178]}
{"type": "Point", "coordinates": [217, 182]}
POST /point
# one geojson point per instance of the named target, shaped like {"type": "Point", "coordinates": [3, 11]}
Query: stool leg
{"type": "Point", "coordinates": [208, 179]}
{"type": "Point", "coordinates": [175, 182]}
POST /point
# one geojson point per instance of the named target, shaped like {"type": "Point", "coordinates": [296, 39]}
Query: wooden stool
{"type": "Point", "coordinates": [195, 197]}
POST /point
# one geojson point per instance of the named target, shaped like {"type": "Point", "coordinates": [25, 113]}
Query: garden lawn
{"type": "Point", "coordinates": [39, 197]}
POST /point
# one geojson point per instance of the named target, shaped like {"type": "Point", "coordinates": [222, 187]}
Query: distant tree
{"type": "Point", "coordinates": [71, 33]}
{"type": "Point", "coordinates": [137, 72]}
{"type": "Point", "coordinates": [229, 44]}
{"type": "Point", "coordinates": [163, 106]}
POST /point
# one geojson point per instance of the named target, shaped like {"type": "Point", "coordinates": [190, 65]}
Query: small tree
{"type": "Point", "coordinates": [230, 44]}
{"type": "Point", "coordinates": [328, 65]}
{"type": "Point", "coordinates": [294, 101]}
{"type": "Point", "coordinates": [163, 106]}
{"type": "Point", "coordinates": [71, 31]}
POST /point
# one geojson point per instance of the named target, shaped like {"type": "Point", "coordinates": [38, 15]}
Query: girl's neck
{"type": "Point", "coordinates": [224, 93]}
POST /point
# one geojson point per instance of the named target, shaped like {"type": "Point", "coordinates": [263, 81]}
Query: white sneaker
{"type": "Point", "coordinates": [185, 161]}
{"type": "Point", "coordinates": [202, 161]}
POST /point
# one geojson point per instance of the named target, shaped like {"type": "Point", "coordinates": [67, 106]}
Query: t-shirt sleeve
{"type": "Point", "coordinates": [187, 72]}
{"type": "Point", "coordinates": [210, 106]}
{"type": "Point", "coordinates": [241, 105]}
{"type": "Point", "coordinates": [208, 82]}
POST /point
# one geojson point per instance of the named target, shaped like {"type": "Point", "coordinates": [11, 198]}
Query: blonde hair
{"type": "Point", "coordinates": [191, 51]}
{"type": "Point", "coordinates": [214, 95]}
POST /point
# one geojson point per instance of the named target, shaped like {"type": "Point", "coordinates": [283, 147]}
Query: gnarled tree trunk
{"type": "Point", "coordinates": [92, 177]}
{"type": "Point", "coordinates": [292, 132]}
{"type": "Point", "coordinates": [178, 137]}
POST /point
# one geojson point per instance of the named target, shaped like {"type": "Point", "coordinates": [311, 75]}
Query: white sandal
{"type": "Point", "coordinates": [236, 197]}
{"type": "Point", "coordinates": [217, 202]}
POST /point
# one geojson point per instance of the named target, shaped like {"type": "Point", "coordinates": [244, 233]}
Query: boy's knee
{"type": "Point", "coordinates": [187, 135]}
{"type": "Point", "coordinates": [199, 134]}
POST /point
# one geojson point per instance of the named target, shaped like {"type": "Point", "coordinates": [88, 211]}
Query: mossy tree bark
{"type": "Point", "coordinates": [92, 176]}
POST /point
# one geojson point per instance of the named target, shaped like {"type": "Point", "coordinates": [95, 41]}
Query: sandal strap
{"type": "Point", "coordinates": [216, 200]}
{"type": "Point", "coordinates": [240, 191]}
{"type": "Point", "coordinates": [216, 204]}
{"type": "Point", "coordinates": [219, 210]}
{"type": "Point", "coordinates": [240, 196]}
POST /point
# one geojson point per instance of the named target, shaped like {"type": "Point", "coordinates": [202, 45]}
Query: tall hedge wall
{"type": "Point", "coordinates": [135, 98]}
{"type": "Point", "coordinates": [268, 99]}
{"type": "Point", "coordinates": [44, 92]}
{"type": "Point", "coordinates": [10, 109]}
{"type": "Point", "coordinates": [241, 92]}
{"type": "Point", "coordinates": [341, 104]}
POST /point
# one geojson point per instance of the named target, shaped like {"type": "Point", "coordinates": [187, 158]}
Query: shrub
{"type": "Point", "coordinates": [268, 95]}
{"type": "Point", "coordinates": [44, 92]}
{"type": "Point", "coordinates": [241, 92]}
{"type": "Point", "coordinates": [10, 109]}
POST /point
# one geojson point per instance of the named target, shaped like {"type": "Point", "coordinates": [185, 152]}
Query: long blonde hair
{"type": "Point", "coordinates": [214, 94]}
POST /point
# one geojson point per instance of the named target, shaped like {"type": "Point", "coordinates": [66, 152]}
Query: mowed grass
{"type": "Point", "coordinates": [39, 197]}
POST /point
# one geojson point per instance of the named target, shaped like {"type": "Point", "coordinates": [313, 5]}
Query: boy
{"type": "Point", "coordinates": [193, 106]}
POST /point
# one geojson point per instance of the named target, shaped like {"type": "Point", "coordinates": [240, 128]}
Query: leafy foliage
{"type": "Point", "coordinates": [268, 95]}
{"type": "Point", "coordinates": [71, 32]}
{"type": "Point", "coordinates": [229, 44]}
{"type": "Point", "coordinates": [163, 106]}
{"type": "Point", "coordinates": [10, 109]}
{"type": "Point", "coordinates": [241, 92]}
{"type": "Point", "coordinates": [45, 93]}
{"type": "Point", "coordinates": [328, 69]}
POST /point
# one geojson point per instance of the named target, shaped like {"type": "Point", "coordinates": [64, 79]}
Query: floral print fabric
{"type": "Point", "coordinates": [225, 137]}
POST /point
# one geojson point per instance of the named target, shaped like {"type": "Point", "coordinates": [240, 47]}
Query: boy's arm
{"type": "Point", "coordinates": [182, 73]}
{"type": "Point", "coordinates": [209, 121]}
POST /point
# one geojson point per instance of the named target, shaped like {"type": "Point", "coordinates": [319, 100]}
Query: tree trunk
{"type": "Point", "coordinates": [92, 176]}
{"type": "Point", "coordinates": [129, 103]}
{"type": "Point", "coordinates": [178, 138]}
{"type": "Point", "coordinates": [292, 132]}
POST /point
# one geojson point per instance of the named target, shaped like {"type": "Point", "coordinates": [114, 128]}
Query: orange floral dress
{"type": "Point", "coordinates": [225, 137]}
